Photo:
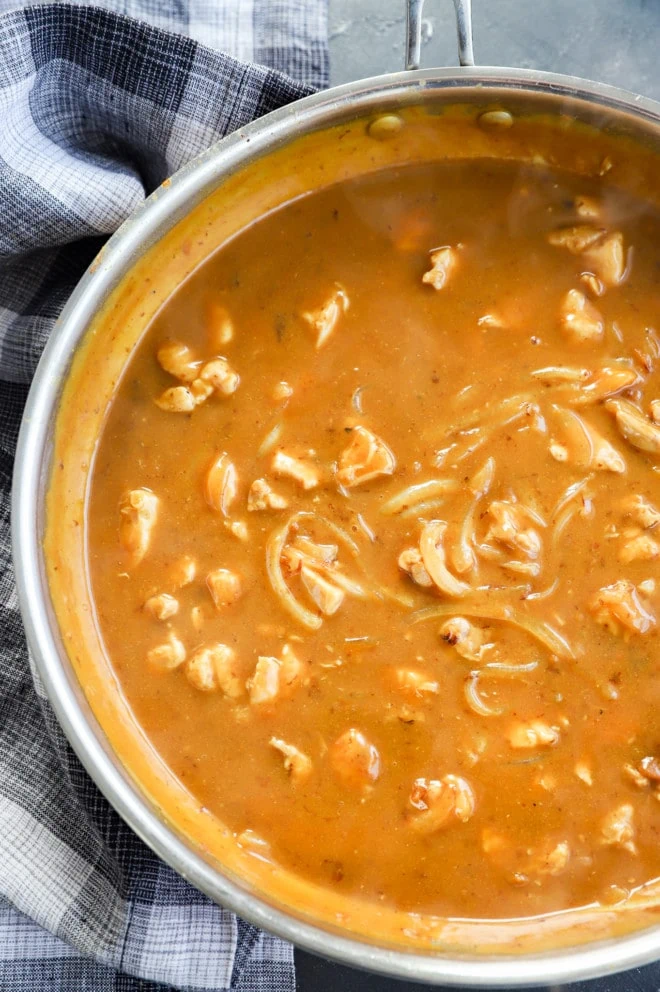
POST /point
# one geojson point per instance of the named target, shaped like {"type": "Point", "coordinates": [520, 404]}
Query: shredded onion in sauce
{"type": "Point", "coordinates": [474, 700]}
{"type": "Point", "coordinates": [274, 548]}
{"type": "Point", "coordinates": [542, 631]}
{"type": "Point", "coordinates": [415, 494]}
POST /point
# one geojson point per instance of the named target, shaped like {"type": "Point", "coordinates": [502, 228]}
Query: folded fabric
{"type": "Point", "coordinates": [96, 109]}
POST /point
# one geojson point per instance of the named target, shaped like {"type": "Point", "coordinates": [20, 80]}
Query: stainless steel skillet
{"type": "Point", "coordinates": [595, 103]}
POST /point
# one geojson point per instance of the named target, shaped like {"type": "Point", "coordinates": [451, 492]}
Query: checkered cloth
{"type": "Point", "coordinates": [96, 109]}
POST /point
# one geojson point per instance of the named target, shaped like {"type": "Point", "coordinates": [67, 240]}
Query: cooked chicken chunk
{"type": "Point", "coordinates": [177, 359]}
{"type": "Point", "coordinates": [470, 641]}
{"type": "Point", "coordinates": [296, 764]}
{"type": "Point", "coordinates": [550, 860]}
{"type": "Point", "coordinates": [511, 527]}
{"type": "Point", "coordinates": [219, 373]}
{"type": "Point", "coordinates": [275, 677]}
{"type": "Point", "coordinates": [603, 383]}
{"type": "Point", "coordinates": [434, 558]}
{"type": "Point", "coordinates": [262, 497]}
{"type": "Point", "coordinates": [162, 606]}
{"type": "Point", "coordinates": [221, 484]}
{"type": "Point", "coordinates": [415, 683]}
{"type": "Point", "coordinates": [324, 321]}
{"type": "Point", "coordinates": [443, 263]}
{"type": "Point", "coordinates": [619, 608]}
{"type": "Point", "coordinates": [177, 399]}
{"type": "Point", "coordinates": [635, 426]}
{"type": "Point", "coordinates": [327, 596]}
{"type": "Point", "coordinates": [264, 684]}
{"type": "Point", "coordinates": [410, 561]}
{"type": "Point", "coordinates": [182, 571]}
{"type": "Point", "coordinates": [138, 512]}
{"type": "Point", "coordinates": [607, 258]}
{"type": "Point", "coordinates": [576, 239]}
{"type": "Point", "coordinates": [225, 587]}
{"type": "Point", "coordinates": [439, 802]}
{"type": "Point", "coordinates": [617, 828]}
{"type": "Point", "coordinates": [303, 472]}
{"type": "Point", "coordinates": [168, 655]}
{"type": "Point", "coordinates": [220, 327]}
{"type": "Point", "coordinates": [355, 760]}
{"type": "Point", "coordinates": [366, 457]}
{"type": "Point", "coordinates": [532, 734]}
{"type": "Point", "coordinates": [582, 445]}
{"type": "Point", "coordinates": [579, 319]}
{"type": "Point", "coordinates": [214, 667]}
{"type": "Point", "coordinates": [640, 547]}
{"type": "Point", "coordinates": [642, 511]}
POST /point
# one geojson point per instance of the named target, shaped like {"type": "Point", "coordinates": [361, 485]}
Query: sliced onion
{"type": "Point", "coordinates": [432, 550]}
{"type": "Point", "coordinates": [474, 700]}
{"type": "Point", "coordinates": [418, 493]}
{"type": "Point", "coordinates": [274, 548]}
{"type": "Point", "coordinates": [542, 631]}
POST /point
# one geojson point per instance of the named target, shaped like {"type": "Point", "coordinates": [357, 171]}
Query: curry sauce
{"type": "Point", "coordinates": [373, 536]}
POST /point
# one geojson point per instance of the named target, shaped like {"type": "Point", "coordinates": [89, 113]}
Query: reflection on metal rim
{"type": "Point", "coordinates": [158, 214]}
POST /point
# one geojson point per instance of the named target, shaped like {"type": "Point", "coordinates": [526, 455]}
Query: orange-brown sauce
{"type": "Point", "coordinates": [532, 773]}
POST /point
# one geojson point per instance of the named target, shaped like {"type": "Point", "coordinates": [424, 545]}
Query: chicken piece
{"type": "Point", "coordinates": [410, 561]}
{"type": "Point", "coordinates": [238, 528]}
{"type": "Point", "coordinates": [434, 558]}
{"type": "Point", "coordinates": [177, 359]}
{"type": "Point", "coordinates": [221, 484]}
{"type": "Point", "coordinates": [262, 497]}
{"type": "Point", "coordinates": [324, 320]}
{"type": "Point", "coordinates": [583, 772]}
{"type": "Point", "coordinates": [296, 764]}
{"type": "Point", "coordinates": [619, 609]}
{"type": "Point", "coordinates": [366, 457]}
{"type": "Point", "coordinates": [275, 677]}
{"type": "Point", "coordinates": [177, 399]}
{"type": "Point", "coordinates": [636, 776]}
{"type": "Point", "coordinates": [292, 669]}
{"type": "Point", "coordinates": [219, 373]}
{"type": "Point", "coordinates": [635, 426]}
{"type": "Point", "coordinates": [327, 596]}
{"type": "Point", "coordinates": [550, 860]}
{"type": "Point", "coordinates": [219, 327]}
{"type": "Point", "coordinates": [138, 512]}
{"type": "Point", "coordinates": [214, 667]}
{"type": "Point", "coordinates": [642, 511]}
{"type": "Point", "coordinates": [282, 391]}
{"type": "Point", "coordinates": [303, 472]}
{"type": "Point", "coordinates": [182, 572]}
{"type": "Point", "coordinates": [224, 586]}
{"type": "Point", "coordinates": [415, 683]}
{"type": "Point", "coordinates": [469, 640]}
{"type": "Point", "coordinates": [576, 239]}
{"type": "Point", "coordinates": [584, 446]}
{"type": "Point", "coordinates": [168, 655]}
{"type": "Point", "coordinates": [162, 606]}
{"type": "Point", "coordinates": [532, 734]}
{"type": "Point", "coordinates": [608, 260]}
{"type": "Point", "coordinates": [511, 527]}
{"type": "Point", "coordinates": [592, 283]}
{"type": "Point", "coordinates": [264, 684]}
{"type": "Point", "coordinates": [579, 319]}
{"type": "Point", "coordinates": [439, 802]}
{"type": "Point", "coordinates": [443, 263]}
{"type": "Point", "coordinates": [640, 547]}
{"type": "Point", "coordinates": [617, 828]}
{"type": "Point", "coordinates": [605, 382]}
{"type": "Point", "coordinates": [587, 208]}
{"type": "Point", "coordinates": [355, 760]}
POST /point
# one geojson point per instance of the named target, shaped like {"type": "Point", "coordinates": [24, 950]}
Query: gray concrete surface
{"type": "Point", "coordinates": [616, 41]}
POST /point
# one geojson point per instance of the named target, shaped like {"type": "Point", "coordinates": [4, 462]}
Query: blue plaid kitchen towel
{"type": "Point", "coordinates": [97, 107]}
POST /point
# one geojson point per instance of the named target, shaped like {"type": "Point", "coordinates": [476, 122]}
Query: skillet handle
{"type": "Point", "coordinates": [414, 10]}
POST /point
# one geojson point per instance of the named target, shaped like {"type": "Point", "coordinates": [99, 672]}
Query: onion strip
{"type": "Point", "coordinates": [274, 548]}
{"type": "Point", "coordinates": [418, 493]}
{"type": "Point", "coordinates": [473, 699]}
{"type": "Point", "coordinates": [538, 629]}
{"type": "Point", "coordinates": [270, 440]}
